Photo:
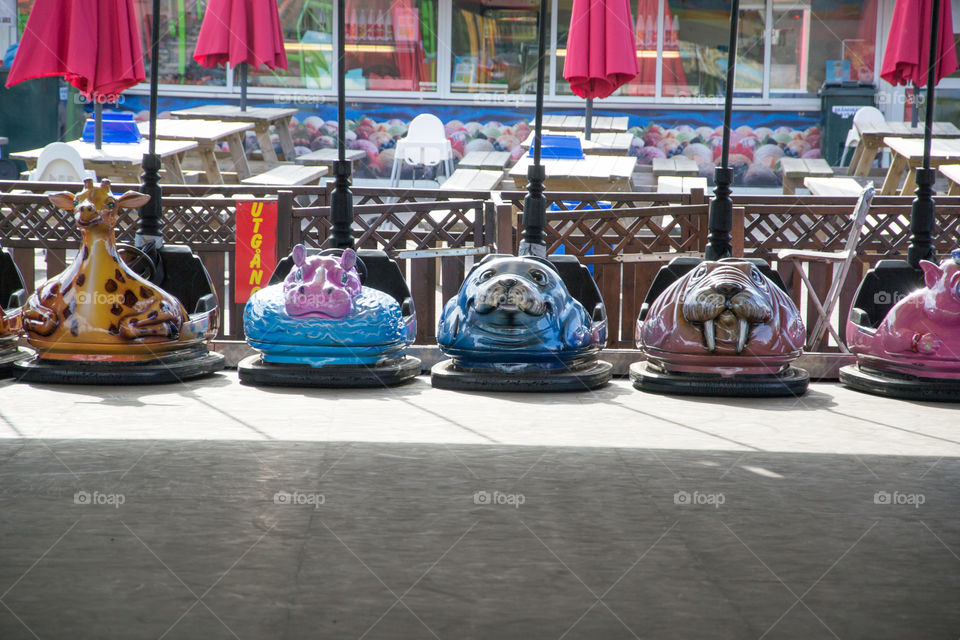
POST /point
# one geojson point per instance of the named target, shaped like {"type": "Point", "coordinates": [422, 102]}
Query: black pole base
{"type": "Point", "coordinates": [922, 220]}
{"type": "Point", "coordinates": [149, 228]}
{"type": "Point", "coordinates": [591, 375]}
{"type": "Point", "coordinates": [721, 217]}
{"type": "Point", "coordinates": [341, 208]}
{"type": "Point", "coordinates": [177, 367]}
{"type": "Point", "coordinates": [895, 385]}
{"type": "Point", "coordinates": [650, 378]}
{"type": "Point", "coordinates": [534, 213]}
{"type": "Point", "coordinates": [253, 370]}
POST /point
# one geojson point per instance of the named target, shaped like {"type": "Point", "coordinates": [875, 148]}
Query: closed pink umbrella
{"type": "Point", "coordinates": [241, 32]}
{"type": "Point", "coordinates": [601, 52]}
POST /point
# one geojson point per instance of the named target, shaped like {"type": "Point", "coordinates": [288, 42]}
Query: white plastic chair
{"type": "Point", "coordinates": [59, 162]}
{"type": "Point", "coordinates": [426, 145]}
{"type": "Point", "coordinates": [862, 116]}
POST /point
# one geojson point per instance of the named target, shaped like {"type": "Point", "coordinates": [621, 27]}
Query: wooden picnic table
{"type": "Point", "coordinates": [616, 124]}
{"type": "Point", "coordinates": [599, 144]}
{"type": "Point", "coordinates": [473, 180]}
{"type": "Point", "coordinates": [680, 184]}
{"type": "Point", "coordinates": [493, 160]}
{"type": "Point", "coordinates": [908, 156]}
{"type": "Point", "coordinates": [261, 117]}
{"type": "Point", "coordinates": [873, 133]}
{"type": "Point", "coordinates": [833, 186]}
{"type": "Point", "coordinates": [123, 161]}
{"type": "Point", "coordinates": [207, 133]}
{"type": "Point", "coordinates": [326, 158]}
{"type": "Point", "coordinates": [595, 174]}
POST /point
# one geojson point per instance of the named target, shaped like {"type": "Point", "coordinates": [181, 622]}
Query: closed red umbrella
{"type": "Point", "coordinates": [241, 32]}
{"type": "Point", "coordinates": [93, 44]}
{"type": "Point", "coordinates": [908, 46]}
{"type": "Point", "coordinates": [601, 52]}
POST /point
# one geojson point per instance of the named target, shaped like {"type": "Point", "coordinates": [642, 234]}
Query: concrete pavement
{"type": "Point", "coordinates": [212, 510]}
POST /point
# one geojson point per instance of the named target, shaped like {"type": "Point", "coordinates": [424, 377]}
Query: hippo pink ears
{"type": "Point", "coordinates": [348, 260]}
{"type": "Point", "coordinates": [299, 255]}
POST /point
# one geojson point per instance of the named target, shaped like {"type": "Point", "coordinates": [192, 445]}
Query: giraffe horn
{"type": "Point", "coordinates": [88, 183]}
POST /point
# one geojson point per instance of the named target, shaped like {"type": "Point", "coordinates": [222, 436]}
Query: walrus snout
{"type": "Point", "coordinates": [735, 309]}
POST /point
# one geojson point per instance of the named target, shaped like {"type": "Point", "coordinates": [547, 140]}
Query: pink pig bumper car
{"type": "Point", "coordinates": [912, 351]}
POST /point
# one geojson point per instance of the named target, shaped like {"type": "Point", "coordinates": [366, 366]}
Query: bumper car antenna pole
{"type": "Point", "coordinates": [721, 209]}
{"type": "Point", "coordinates": [149, 235]}
{"type": "Point", "coordinates": [922, 218]}
{"type": "Point", "coordinates": [535, 205]}
{"type": "Point", "coordinates": [341, 203]}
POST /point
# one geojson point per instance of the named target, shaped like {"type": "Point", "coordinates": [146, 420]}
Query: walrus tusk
{"type": "Point", "coordinates": [743, 335]}
{"type": "Point", "coordinates": [710, 334]}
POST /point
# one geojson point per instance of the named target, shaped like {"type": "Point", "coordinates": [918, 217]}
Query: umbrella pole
{"type": "Point", "coordinates": [149, 235]}
{"type": "Point", "coordinates": [97, 123]}
{"type": "Point", "coordinates": [922, 215]}
{"type": "Point", "coordinates": [915, 105]}
{"type": "Point", "coordinates": [535, 205]}
{"type": "Point", "coordinates": [721, 209]}
{"type": "Point", "coordinates": [243, 86]}
{"type": "Point", "coordinates": [589, 125]}
{"type": "Point", "coordinates": [341, 202]}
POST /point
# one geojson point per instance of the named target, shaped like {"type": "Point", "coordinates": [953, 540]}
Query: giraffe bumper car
{"type": "Point", "coordinates": [12, 297]}
{"type": "Point", "coordinates": [724, 328]}
{"type": "Point", "coordinates": [99, 322]}
{"type": "Point", "coordinates": [331, 318]}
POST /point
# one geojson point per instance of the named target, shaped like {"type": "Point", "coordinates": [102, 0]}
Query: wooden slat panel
{"type": "Point", "coordinates": [25, 260]}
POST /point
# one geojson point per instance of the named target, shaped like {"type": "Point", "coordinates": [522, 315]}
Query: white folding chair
{"type": "Point", "coordinates": [59, 162]}
{"type": "Point", "coordinates": [841, 261]}
{"type": "Point", "coordinates": [425, 145]}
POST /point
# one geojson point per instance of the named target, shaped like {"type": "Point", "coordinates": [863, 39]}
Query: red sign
{"type": "Point", "coordinates": [256, 247]}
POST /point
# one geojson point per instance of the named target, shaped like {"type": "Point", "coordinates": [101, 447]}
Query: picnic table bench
{"type": "Point", "coordinates": [595, 174]}
{"type": "Point", "coordinates": [326, 157]}
{"type": "Point", "coordinates": [873, 133]}
{"type": "Point", "coordinates": [833, 186]}
{"type": "Point", "coordinates": [680, 184]}
{"type": "Point", "coordinates": [675, 166]}
{"type": "Point", "coordinates": [473, 180]}
{"type": "Point", "coordinates": [288, 175]}
{"type": "Point", "coordinates": [261, 117]}
{"type": "Point", "coordinates": [952, 173]}
{"type": "Point", "coordinates": [207, 133]}
{"type": "Point", "coordinates": [908, 156]}
{"type": "Point", "coordinates": [496, 160]}
{"type": "Point", "coordinates": [796, 170]}
{"type": "Point", "coordinates": [579, 123]}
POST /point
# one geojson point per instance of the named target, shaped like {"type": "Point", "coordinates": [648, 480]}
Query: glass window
{"type": "Point", "coordinates": [308, 39]}
{"type": "Point", "coordinates": [179, 28]}
{"type": "Point", "coordinates": [699, 33]}
{"type": "Point", "coordinates": [494, 46]}
{"type": "Point", "coordinates": [391, 45]}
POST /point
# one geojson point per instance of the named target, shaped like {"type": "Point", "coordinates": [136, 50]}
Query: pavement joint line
{"type": "Point", "coordinates": [890, 426]}
{"type": "Point", "coordinates": [686, 426]}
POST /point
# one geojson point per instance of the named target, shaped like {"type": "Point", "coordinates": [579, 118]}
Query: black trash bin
{"type": "Point", "coordinates": [838, 104]}
{"type": "Point", "coordinates": [29, 113]}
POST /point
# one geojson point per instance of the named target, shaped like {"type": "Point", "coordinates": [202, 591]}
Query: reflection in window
{"type": "Point", "coordinates": [391, 45]}
{"type": "Point", "coordinates": [494, 46]}
{"type": "Point", "coordinates": [179, 28]}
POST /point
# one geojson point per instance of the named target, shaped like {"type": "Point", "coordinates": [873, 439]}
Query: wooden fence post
{"type": "Point", "coordinates": [285, 231]}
